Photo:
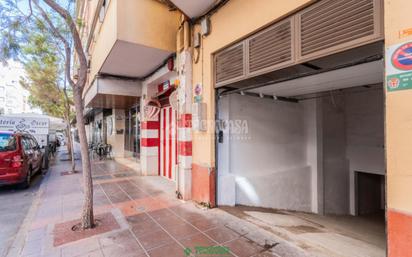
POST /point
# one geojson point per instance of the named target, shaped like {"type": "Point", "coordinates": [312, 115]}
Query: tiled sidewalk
{"type": "Point", "coordinates": [152, 222]}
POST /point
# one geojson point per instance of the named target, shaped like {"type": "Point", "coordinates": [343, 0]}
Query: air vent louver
{"type": "Point", "coordinates": [230, 64]}
{"type": "Point", "coordinates": [271, 47]}
{"type": "Point", "coordinates": [332, 23]}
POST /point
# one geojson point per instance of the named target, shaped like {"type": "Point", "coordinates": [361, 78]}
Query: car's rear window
{"type": "Point", "coordinates": [7, 142]}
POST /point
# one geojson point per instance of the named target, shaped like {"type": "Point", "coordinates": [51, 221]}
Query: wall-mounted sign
{"type": "Point", "coordinates": [399, 67]}
{"type": "Point", "coordinates": [198, 92]}
{"type": "Point", "coordinates": [173, 100]}
{"type": "Point", "coordinates": [151, 110]}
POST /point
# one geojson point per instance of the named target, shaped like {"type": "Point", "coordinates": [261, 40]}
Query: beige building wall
{"type": "Point", "coordinates": [398, 125]}
{"type": "Point", "coordinates": [398, 113]}
{"type": "Point", "coordinates": [144, 22]}
{"type": "Point", "coordinates": [228, 25]}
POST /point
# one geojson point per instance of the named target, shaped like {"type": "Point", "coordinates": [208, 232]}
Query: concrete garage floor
{"type": "Point", "coordinates": [329, 235]}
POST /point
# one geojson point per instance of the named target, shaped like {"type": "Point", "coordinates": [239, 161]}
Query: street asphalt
{"type": "Point", "coordinates": [14, 206]}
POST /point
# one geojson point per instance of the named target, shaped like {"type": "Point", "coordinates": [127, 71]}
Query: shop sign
{"type": "Point", "coordinates": [399, 67]}
{"type": "Point", "coordinates": [34, 126]}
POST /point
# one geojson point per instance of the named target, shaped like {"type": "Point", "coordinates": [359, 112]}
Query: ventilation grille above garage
{"type": "Point", "coordinates": [271, 48]}
{"type": "Point", "coordinates": [335, 24]}
{"type": "Point", "coordinates": [230, 64]}
{"type": "Point", "coordinates": [325, 28]}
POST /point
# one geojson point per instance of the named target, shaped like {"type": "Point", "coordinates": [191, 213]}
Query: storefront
{"type": "Point", "coordinates": [132, 132]}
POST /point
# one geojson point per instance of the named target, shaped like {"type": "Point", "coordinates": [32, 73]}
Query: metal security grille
{"type": "Point", "coordinates": [335, 24]}
{"type": "Point", "coordinates": [230, 64]}
{"type": "Point", "coordinates": [271, 48]}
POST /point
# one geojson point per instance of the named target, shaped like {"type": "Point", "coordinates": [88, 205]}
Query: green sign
{"type": "Point", "coordinates": [400, 81]}
{"type": "Point", "coordinates": [207, 251]}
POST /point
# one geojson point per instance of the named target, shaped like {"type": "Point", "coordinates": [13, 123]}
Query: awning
{"type": "Point", "coordinates": [110, 92]}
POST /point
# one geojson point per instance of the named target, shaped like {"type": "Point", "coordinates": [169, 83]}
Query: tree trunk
{"type": "Point", "coordinates": [70, 146]}
{"type": "Point", "coordinates": [87, 220]}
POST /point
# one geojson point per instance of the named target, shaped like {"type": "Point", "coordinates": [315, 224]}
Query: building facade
{"type": "Point", "coordinates": [13, 98]}
{"type": "Point", "coordinates": [300, 105]}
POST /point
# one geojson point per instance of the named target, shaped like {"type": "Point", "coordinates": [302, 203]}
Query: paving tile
{"type": "Point", "coordinates": [166, 218]}
{"type": "Point", "coordinates": [243, 247]}
{"type": "Point", "coordinates": [170, 250]}
{"type": "Point", "coordinates": [97, 253]}
{"type": "Point", "coordinates": [115, 194]}
{"type": "Point", "coordinates": [205, 223]}
{"type": "Point", "coordinates": [138, 218]}
{"type": "Point", "coordinates": [121, 244]}
{"type": "Point", "coordinates": [267, 254]}
{"type": "Point", "coordinates": [189, 215]}
{"type": "Point", "coordinates": [155, 239]}
{"type": "Point", "coordinates": [222, 234]}
{"type": "Point", "coordinates": [80, 248]}
{"type": "Point", "coordinates": [36, 234]}
{"type": "Point", "coordinates": [198, 240]}
{"type": "Point", "coordinates": [32, 247]}
{"type": "Point", "coordinates": [160, 214]}
{"type": "Point", "coordinates": [144, 227]}
{"type": "Point", "coordinates": [182, 230]}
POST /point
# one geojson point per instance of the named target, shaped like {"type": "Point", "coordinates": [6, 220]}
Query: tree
{"type": "Point", "coordinates": [16, 19]}
{"type": "Point", "coordinates": [43, 81]}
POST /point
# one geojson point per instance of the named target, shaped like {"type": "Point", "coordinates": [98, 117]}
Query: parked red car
{"type": "Point", "coordinates": [20, 158]}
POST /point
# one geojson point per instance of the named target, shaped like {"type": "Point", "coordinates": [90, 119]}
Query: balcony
{"type": "Point", "coordinates": [132, 38]}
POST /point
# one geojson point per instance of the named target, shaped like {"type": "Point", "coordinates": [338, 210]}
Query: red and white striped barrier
{"type": "Point", "coordinates": [149, 155]}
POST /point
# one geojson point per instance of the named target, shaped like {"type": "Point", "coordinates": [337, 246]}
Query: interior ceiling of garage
{"type": "Point", "coordinates": [358, 75]}
{"type": "Point", "coordinates": [133, 60]}
{"type": "Point", "coordinates": [355, 67]}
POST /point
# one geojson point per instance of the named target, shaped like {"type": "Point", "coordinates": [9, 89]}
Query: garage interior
{"type": "Point", "coordinates": [316, 134]}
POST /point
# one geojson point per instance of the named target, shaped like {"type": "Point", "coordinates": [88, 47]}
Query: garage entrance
{"type": "Point", "coordinates": [308, 93]}
{"type": "Point", "coordinates": [313, 144]}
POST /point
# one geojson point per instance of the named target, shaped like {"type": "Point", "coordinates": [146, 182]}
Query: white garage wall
{"type": "Point", "coordinates": [353, 140]}
{"type": "Point", "coordinates": [335, 163]}
{"type": "Point", "coordinates": [300, 156]}
{"type": "Point", "coordinates": [364, 136]}
{"type": "Point", "coordinates": [267, 166]}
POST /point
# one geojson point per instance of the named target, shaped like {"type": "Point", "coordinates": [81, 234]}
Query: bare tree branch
{"type": "Point", "coordinates": [57, 33]}
{"type": "Point", "coordinates": [76, 39]}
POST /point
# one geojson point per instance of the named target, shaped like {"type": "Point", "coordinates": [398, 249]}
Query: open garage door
{"type": "Point", "coordinates": [300, 144]}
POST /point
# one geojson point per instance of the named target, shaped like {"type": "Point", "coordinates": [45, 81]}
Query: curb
{"type": "Point", "coordinates": [19, 240]}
